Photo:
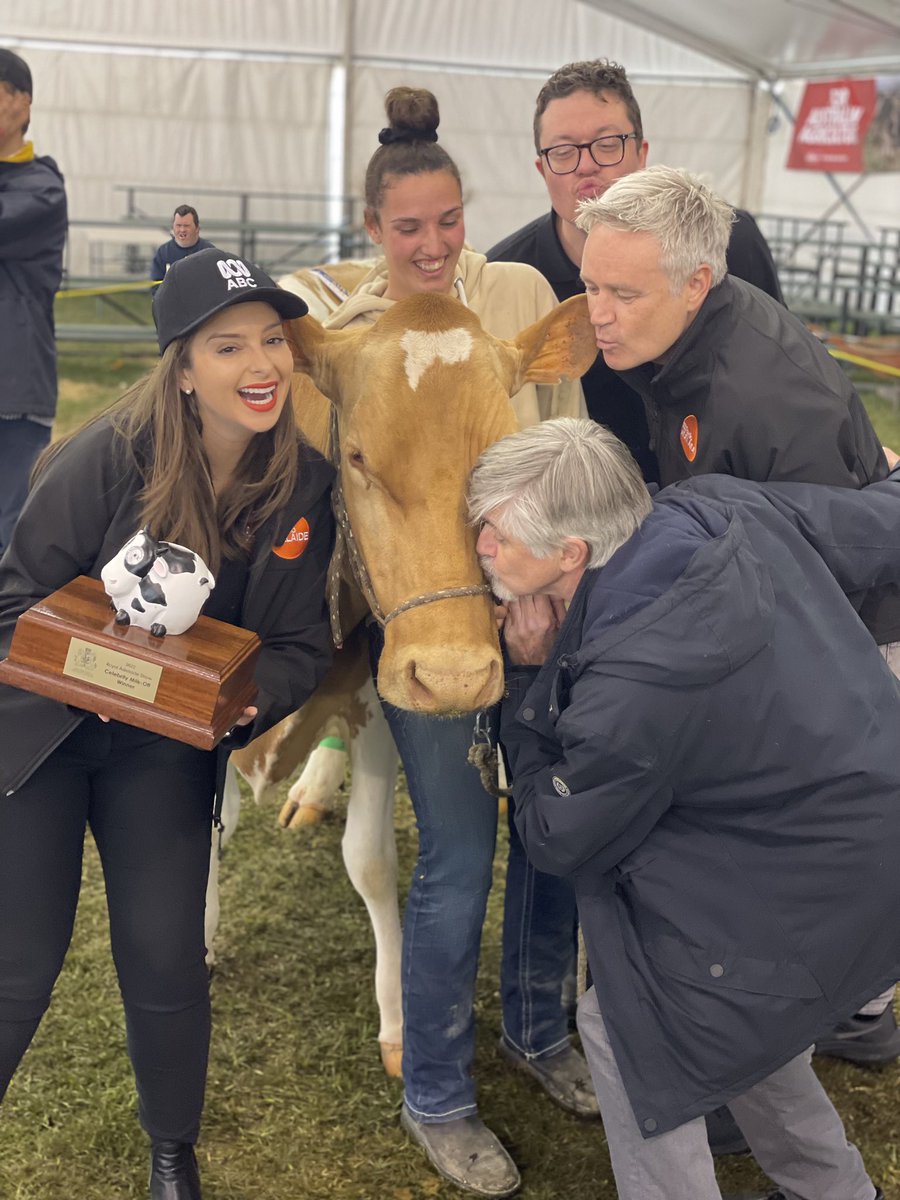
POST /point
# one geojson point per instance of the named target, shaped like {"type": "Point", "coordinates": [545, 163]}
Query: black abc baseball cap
{"type": "Point", "coordinates": [201, 285]}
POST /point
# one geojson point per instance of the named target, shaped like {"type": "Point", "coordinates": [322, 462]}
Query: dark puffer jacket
{"type": "Point", "coordinates": [710, 752]}
{"type": "Point", "coordinates": [33, 226]}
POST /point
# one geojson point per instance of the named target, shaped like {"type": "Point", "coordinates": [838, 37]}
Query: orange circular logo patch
{"type": "Point", "coordinates": [690, 437]}
{"type": "Point", "coordinates": [295, 542]}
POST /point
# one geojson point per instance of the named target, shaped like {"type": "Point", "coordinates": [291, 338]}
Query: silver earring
{"type": "Point", "coordinates": [188, 391]}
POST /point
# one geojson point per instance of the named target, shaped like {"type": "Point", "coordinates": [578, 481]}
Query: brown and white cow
{"type": "Point", "coordinates": [418, 396]}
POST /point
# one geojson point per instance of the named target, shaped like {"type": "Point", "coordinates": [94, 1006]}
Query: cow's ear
{"type": "Point", "coordinates": [305, 336]}
{"type": "Point", "coordinates": [560, 346]}
{"type": "Point", "coordinates": [325, 355]}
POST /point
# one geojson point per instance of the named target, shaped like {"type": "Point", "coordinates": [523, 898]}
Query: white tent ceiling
{"type": "Point", "coordinates": [284, 96]}
{"type": "Point", "coordinates": [777, 39]}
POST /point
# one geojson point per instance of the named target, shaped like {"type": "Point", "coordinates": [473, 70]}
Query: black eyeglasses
{"type": "Point", "coordinates": [606, 151]}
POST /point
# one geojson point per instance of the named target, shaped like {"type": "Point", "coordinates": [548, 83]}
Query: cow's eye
{"type": "Point", "coordinates": [133, 556]}
{"type": "Point", "coordinates": [357, 459]}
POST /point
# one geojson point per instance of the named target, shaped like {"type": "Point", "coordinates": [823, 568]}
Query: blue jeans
{"type": "Point", "coordinates": [457, 825]}
{"type": "Point", "coordinates": [21, 441]}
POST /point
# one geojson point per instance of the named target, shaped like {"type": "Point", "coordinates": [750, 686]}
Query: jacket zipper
{"type": "Point", "coordinates": [26, 773]}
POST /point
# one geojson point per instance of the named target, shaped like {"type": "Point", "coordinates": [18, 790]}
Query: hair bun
{"type": "Point", "coordinates": [412, 114]}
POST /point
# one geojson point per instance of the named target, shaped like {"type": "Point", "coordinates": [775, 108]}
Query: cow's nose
{"type": "Point", "coordinates": [432, 689]}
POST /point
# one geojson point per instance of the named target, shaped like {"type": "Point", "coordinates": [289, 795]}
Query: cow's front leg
{"type": "Point", "coordinates": [370, 856]}
{"type": "Point", "coordinates": [314, 793]}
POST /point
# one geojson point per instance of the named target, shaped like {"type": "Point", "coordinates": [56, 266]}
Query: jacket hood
{"type": "Point", "coordinates": [691, 585]}
{"type": "Point", "coordinates": [368, 301]}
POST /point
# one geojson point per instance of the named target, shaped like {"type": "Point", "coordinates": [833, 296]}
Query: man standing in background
{"type": "Point", "coordinates": [185, 240]}
{"type": "Point", "coordinates": [33, 224]}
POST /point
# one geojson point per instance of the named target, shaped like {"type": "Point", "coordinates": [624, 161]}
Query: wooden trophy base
{"type": "Point", "coordinates": [191, 686]}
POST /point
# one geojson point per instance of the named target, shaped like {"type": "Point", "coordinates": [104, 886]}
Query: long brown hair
{"type": "Point", "coordinates": [160, 431]}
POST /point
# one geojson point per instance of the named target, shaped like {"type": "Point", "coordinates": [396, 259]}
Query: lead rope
{"type": "Point", "coordinates": [345, 549]}
{"type": "Point", "coordinates": [484, 756]}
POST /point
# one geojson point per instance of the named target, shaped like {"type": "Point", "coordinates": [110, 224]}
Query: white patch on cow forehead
{"type": "Point", "coordinates": [451, 346]}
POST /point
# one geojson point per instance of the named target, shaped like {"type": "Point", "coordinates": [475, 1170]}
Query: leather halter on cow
{"type": "Point", "coordinates": [416, 398]}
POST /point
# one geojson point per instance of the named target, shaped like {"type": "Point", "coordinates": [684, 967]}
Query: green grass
{"type": "Point", "coordinates": [298, 1107]}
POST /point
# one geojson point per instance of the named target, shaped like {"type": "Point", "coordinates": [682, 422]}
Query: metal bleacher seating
{"type": "Point", "coordinates": [829, 278]}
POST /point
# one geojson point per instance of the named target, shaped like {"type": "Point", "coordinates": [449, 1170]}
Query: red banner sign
{"type": "Point", "coordinates": [830, 129]}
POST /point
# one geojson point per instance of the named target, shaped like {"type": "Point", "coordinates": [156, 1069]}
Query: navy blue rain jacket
{"type": "Point", "coordinates": [711, 753]}
{"type": "Point", "coordinates": [33, 226]}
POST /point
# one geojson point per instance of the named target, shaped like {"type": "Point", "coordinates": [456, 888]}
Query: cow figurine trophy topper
{"type": "Point", "coordinates": [157, 585]}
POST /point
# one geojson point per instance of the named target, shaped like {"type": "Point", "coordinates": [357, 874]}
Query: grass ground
{"type": "Point", "coordinates": [298, 1107]}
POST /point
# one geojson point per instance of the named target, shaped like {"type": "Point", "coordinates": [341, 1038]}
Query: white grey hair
{"type": "Point", "coordinates": [691, 223]}
{"type": "Point", "coordinates": [567, 478]}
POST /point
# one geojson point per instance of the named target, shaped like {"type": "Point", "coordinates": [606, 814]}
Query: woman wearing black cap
{"type": "Point", "coordinates": [203, 452]}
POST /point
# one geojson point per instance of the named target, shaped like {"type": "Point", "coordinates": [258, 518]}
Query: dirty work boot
{"type": "Point", "coordinates": [173, 1172]}
{"type": "Point", "coordinates": [724, 1133]}
{"type": "Point", "coordinates": [564, 1076]}
{"type": "Point", "coordinates": [465, 1152]}
{"type": "Point", "coordinates": [868, 1041]}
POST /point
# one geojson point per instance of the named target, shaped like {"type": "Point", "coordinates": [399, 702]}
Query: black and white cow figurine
{"type": "Point", "coordinates": [158, 586]}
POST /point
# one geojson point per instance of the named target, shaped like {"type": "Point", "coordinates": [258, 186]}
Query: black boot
{"type": "Point", "coordinates": [173, 1172]}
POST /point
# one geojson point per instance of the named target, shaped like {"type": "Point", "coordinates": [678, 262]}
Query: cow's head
{"type": "Point", "coordinates": [419, 395]}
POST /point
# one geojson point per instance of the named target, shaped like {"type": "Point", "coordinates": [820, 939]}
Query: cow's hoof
{"type": "Point", "coordinates": [293, 815]}
{"type": "Point", "coordinates": [158, 630]}
{"type": "Point", "coordinates": [122, 617]}
{"type": "Point", "coordinates": [391, 1059]}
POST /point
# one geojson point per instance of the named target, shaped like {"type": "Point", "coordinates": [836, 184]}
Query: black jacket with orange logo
{"type": "Point", "coordinates": [84, 508]}
{"type": "Point", "coordinates": [747, 390]}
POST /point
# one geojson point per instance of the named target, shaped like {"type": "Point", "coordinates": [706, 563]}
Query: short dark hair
{"type": "Point", "coordinates": [14, 72]}
{"type": "Point", "coordinates": [185, 210]}
{"type": "Point", "coordinates": [597, 76]}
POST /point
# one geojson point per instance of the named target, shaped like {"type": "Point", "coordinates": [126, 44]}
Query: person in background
{"type": "Point", "coordinates": [414, 213]}
{"type": "Point", "coordinates": [203, 451]}
{"type": "Point", "coordinates": [185, 240]}
{"type": "Point", "coordinates": [33, 224]}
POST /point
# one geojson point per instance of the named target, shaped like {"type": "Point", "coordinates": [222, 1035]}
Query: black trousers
{"type": "Point", "coordinates": [148, 802]}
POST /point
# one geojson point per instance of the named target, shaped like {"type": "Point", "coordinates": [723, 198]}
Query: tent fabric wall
{"type": "Point", "coordinates": [309, 27]}
{"type": "Point", "coordinates": [181, 123]}
{"type": "Point", "coordinates": [242, 96]}
{"type": "Point", "coordinates": [515, 35]}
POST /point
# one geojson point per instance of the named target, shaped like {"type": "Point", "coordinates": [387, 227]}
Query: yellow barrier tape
{"type": "Point", "coordinates": [69, 293]}
{"type": "Point", "coordinates": [870, 364]}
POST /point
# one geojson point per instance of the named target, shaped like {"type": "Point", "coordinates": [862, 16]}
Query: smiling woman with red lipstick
{"type": "Point", "coordinates": [203, 452]}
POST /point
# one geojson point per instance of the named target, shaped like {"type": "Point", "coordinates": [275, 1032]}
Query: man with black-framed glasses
{"type": "Point", "coordinates": [588, 133]}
